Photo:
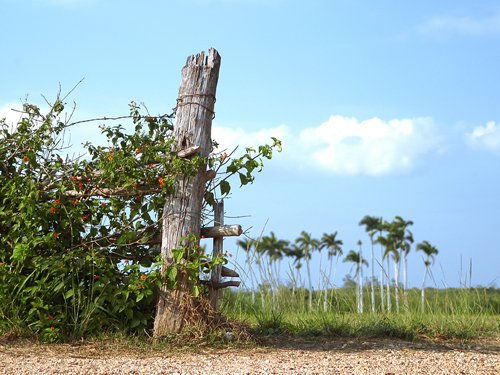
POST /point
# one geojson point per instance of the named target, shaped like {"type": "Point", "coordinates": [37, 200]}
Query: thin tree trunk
{"type": "Point", "coordinates": [382, 304]}
{"type": "Point", "coordinates": [396, 284]}
{"type": "Point", "coordinates": [388, 289]}
{"type": "Point", "coordinates": [358, 306]}
{"type": "Point", "coordinates": [309, 279]}
{"type": "Point", "coordinates": [182, 210]}
{"type": "Point", "coordinates": [373, 279]}
{"type": "Point", "coordinates": [423, 290]}
{"type": "Point", "coordinates": [361, 287]}
{"type": "Point", "coordinates": [405, 279]}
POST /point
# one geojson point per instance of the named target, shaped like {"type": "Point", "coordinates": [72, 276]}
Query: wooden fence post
{"type": "Point", "coordinates": [182, 210]}
{"type": "Point", "coordinates": [217, 251]}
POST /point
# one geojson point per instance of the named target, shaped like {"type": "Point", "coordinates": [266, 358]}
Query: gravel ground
{"type": "Point", "coordinates": [278, 357]}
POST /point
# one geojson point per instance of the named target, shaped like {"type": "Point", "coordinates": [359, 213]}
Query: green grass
{"type": "Point", "coordinates": [450, 314]}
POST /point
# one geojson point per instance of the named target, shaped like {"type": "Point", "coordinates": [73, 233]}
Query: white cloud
{"type": "Point", "coordinates": [485, 137]}
{"type": "Point", "coordinates": [462, 25]}
{"type": "Point", "coordinates": [345, 145]}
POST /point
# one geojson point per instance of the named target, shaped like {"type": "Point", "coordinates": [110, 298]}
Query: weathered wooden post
{"type": "Point", "coordinates": [217, 251]}
{"type": "Point", "coordinates": [182, 210]}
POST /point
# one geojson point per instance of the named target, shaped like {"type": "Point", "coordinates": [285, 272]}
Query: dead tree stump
{"type": "Point", "coordinates": [182, 210]}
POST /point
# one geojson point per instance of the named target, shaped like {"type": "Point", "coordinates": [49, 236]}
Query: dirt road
{"type": "Point", "coordinates": [276, 357]}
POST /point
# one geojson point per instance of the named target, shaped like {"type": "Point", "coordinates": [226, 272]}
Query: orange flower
{"type": "Point", "coordinates": [103, 204]}
{"type": "Point", "coordinates": [26, 159]}
{"type": "Point", "coordinates": [52, 210]}
{"type": "Point", "coordinates": [80, 185]}
{"type": "Point", "coordinates": [197, 245]}
{"type": "Point", "coordinates": [74, 201]}
{"type": "Point", "coordinates": [161, 182]}
{"type": "Point", "coordinates": [139, 286]}
{"type": "Point", "coordinates": [85, 217]}
{"type": "Point", "coordinates": [57, 202]}
{"type": "Point", "coordinates": [56, 235]}
{"type": "Point", "coordinates": [110, 157]}
{"type": "Point", "coordinates": [143, 277]}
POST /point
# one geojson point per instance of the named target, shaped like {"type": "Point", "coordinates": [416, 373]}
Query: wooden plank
{"type": "Point", "coordinates": [220, 285]}
{"type": "Point", "coordinates": [228, 272]}
{"type": "Point", "coordinates": [190, 151]}
{"type": "Point", "coordinates": [221, 231]}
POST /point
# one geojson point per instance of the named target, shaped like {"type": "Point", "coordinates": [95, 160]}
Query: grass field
{"type": "Point", "coordinates": [450, 314]}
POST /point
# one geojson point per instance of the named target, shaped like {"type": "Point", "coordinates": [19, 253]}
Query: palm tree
{"type": "Point", "coordinates": [357, 259]}
{"type": "Point", "coordinates": [247, 245]}
{"type": "Point", "coordinates": [371, 224]}
{"type": "Point", "coordinates": [330, 242]}
{"type": "Point", "coordinates": [297, 254]}
{"type": "Point", "coordinates": [405, 239]}
{"type": "Point", "coordinates": [307, 245]}
{"type": "Point", "coordinates": [430, 251]}
{"type": "Point", "coordinates": [387, 245]}
{"type": "Point", "coordinates": [274, 248]}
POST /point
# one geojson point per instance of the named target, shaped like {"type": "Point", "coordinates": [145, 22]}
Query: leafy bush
{"type": "Point", "coordinates": [78, 236]}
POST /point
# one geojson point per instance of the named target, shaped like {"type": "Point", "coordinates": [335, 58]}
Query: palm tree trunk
{"type": "Point", "coordinates": [328, 285]}
{"type": "Point", "coordinates": [423, 290]}
{"type": "Point", "coordinates": [361, 287]}
{"type": "Point", "coordinates": [358, 303]}
{"type": "Point", "coordinates": [373, 279]}
{"type": "Point", "coordinates": [405, 279]}
{"type": "Point", "coordinates": [309, 279]}
{"type": "Point", "coordinates": [388, 289]}
{"type": "Point", "coordinates": [382, 304]}
{"type": "Point", "coordinates": [396, 284]}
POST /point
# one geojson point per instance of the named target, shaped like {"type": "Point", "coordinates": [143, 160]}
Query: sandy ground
{"type": "Point", "coordinates": [280, 356]}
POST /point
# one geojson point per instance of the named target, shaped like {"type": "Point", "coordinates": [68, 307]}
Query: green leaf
{"type": "Point", "coordinates": [196, 290]}
{"type": "Point", "coordinates": [225, 187]}
{"type": "Point", "coordinates": [172, 273]}
{"type": "Point", "coordinates": [70, 293]}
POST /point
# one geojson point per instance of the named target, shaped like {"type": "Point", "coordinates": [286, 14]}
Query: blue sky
{"type": "Point", "coordinates": [385, 108]}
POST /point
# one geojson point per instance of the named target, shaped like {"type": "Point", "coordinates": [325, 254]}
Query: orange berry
{"type": "Point", "coordinates": [52, 210]}
{"type": "Point", "coordinates": [56, 235]}
{"type": "Point", "coordinates": [85, 217]}
{"type": "Point", "coordinates": [57, 202]}
{"type": "Point", "coordinates": [26, 159]}
{"type": "Point", "coordinates": [143, 277]}
{"type": "Point", "coordinates": [74, 201]}
{"type": "Point", "coordinates": [139, 286]}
